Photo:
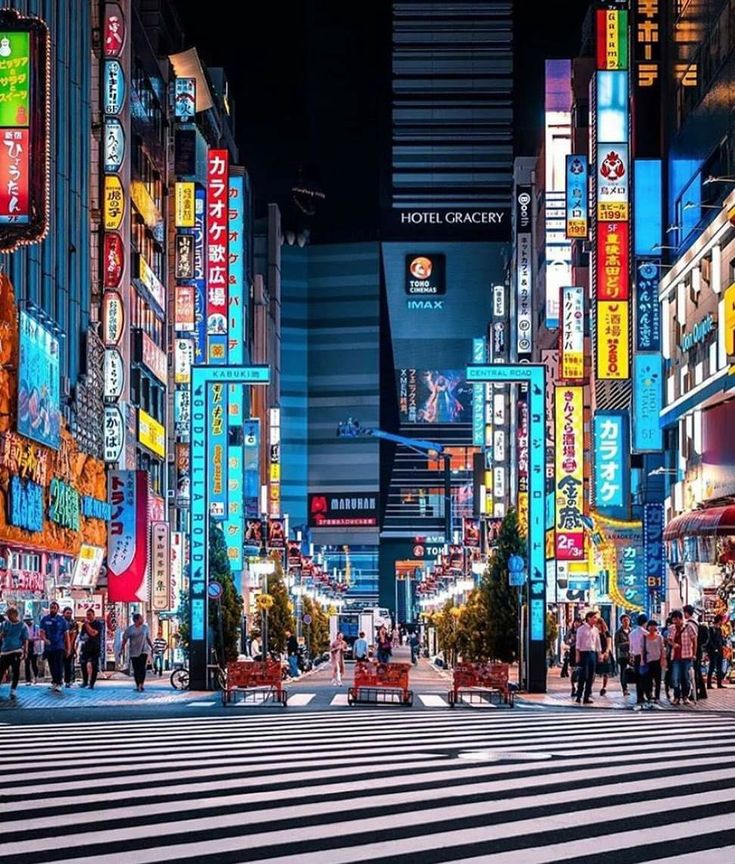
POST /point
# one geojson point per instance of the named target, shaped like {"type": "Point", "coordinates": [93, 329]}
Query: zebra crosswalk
{"type": "Point", "coordinates": [325, 787]}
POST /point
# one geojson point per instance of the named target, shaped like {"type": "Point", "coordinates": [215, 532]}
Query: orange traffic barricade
{"type": "Point", "coordinates": [380, 682]}
{"type": "Point", "coordinates": [481, 682]}
{"type": "Point", "coordinates": [251, 678]}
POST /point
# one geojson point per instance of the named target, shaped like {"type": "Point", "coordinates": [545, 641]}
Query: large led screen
{"type": "Point", "coordinates": [429, 396]}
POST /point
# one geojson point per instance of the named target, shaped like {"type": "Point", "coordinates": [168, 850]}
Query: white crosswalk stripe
{"type": "Point", "coordinates": [378, 785]}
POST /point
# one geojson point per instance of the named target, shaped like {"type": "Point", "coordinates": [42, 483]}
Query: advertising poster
{"type": "Point", "coordinates": [276, 533]}
{"type": "Point", "coordinates": [572, 338]}
{"type": "Point", "coordinates": [428, 396]}
{"type": "Point", "coordinates": [577, 197]}
{"type": "Point", "coordinates": [612, 471]}
{"type": "Point", "coordinates": [217, 449]}
{"type": "Point", "coordinates": [613, 355]}
{"type": "Point", "coordinates": [613, 282]}
{"type": "Point", "coordinates": [253, 535]}
{"type": "Point", "coordinates": [39, 405]}
{"type": "Point", "coordinates": [647, 309]}
{"type": "Point", "coordinates": [217, 253]}
{"type": "Point", "coordinates": [648, 402]}
{"type": "Point", "coordinates": [343, 510]}
{"type": "Point", "coordinates": [127, 537]}
{"type": "Point", "coordinates": [569, 477]}
{"type": "Point", "coordinates": [471, 532]}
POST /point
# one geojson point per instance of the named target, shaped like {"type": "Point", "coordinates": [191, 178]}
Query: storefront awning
{"type": "Point", "coordinates": [713, 521]}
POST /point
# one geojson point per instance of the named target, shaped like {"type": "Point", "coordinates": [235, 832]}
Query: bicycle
{"type": "Point", "coordinates": [180, 677]}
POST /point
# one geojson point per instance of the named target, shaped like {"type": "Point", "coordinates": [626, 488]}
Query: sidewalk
{"type": "Point", "coordinates": [559, 690]}
{"type": "Point", "coordinates": [117, 690]}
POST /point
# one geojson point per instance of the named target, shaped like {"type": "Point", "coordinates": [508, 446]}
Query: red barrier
{"type": "Point", "coordinates": [483, 680]}
{"type": "Point", "coordinates": [254, 676]}
{"type": "Point", "coordinates": [375, 682]}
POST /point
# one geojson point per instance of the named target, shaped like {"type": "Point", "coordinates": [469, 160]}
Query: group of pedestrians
{"type": "Point", "coordinates": [646, 656]}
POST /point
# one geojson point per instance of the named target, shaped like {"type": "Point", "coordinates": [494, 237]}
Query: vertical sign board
{"type": "Point", "coordinates": [647, 308]}
{"type": "Point", "coordinates": [217, 450]}
{"type": "Point", "coordinates": [478, 396]}
{"type": "Point", "coordinates": [653, 556]}
{"type": "Point", "coordinates": [251, 467]}
{"type": "Point", "coordinates": [217, 255]}
{"type": "Point", "coordinates": [236, 276]}
{"type": "Point", "coordinates": [534, 376]}
{"type": "Point", "coordinates": [25, 91]}
{"type": "Point", "coordinates": [572, 338]}
{"type": "Point", "coordinates": [612, 469]}
{"type": "Point", "coordinates": [646, 62]}
{"type": "Point", "coordinates": [612, 38]}
{"type": "Point", "coordinates": [233, 527]}
{"type": "Point", "coordinates": [648, 399]}
{"type": "Point", "coordinates": [569, 475]}
{"type": "Point", "coordinates": [200, 276]}
{"type": "Point", "coordinates": [613, 355]}
{"type": "Point", "coordinates": [524, 270]}
{"type": "Point", "coordinates": [201, 377]}
{"type": "Point", "coordinates": [577, 196]}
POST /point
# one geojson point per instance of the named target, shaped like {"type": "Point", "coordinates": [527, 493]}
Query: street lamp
{"type": "Point", "coordinates": [691, 205]}
{"type": "Point", "coordinates": [657, 246]}
{"type": "Point", "coordinates": [714, 179]}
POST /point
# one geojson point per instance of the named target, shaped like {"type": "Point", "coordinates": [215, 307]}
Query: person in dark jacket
{"type": "Point", "coordinates": [292, 650]}
{"type": "Point", "coordinates": [715, 647]}
{"type": "Point", "coordinates": [622, 651]}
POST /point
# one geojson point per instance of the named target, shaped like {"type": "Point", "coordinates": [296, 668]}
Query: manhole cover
{"type": "Point", "coordinates": [501, 756]}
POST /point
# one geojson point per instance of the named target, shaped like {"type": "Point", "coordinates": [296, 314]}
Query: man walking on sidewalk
{"type": "Point", "coordinates": [715, 650]}
{"type": "Point", "coordinates": [588, 650]}
{"type": "Point", "coordinates": [55, 634]}
{"type": "Point", "coordinates": [637, 644]}
{"type": "Point", "coordinates": [292, 650]}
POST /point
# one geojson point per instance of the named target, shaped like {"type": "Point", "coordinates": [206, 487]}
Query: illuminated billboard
{"type": "Point", "coordinates": [425, 274]}
{"type": "Point", "coordinates": [217, 262]}
{"type": "Point", "coordinates": [648, 396]}
{"type": "Point", "coordinates": [572, 336]}
{"type": "Point", "coordinates": [429, 396]}
{"type": "Point", "coordinates": [569, 473]}
{"type": "Point", "coordinates": [613, 182]}
{"type": "Point", "coordinates": [613, 357]}
{"type": "Point", "coordinates": [611, 441]}
{"type": "Point", "coordinates": [612, 38]}
{"type": "Point", "coordinates": [577, 195]}
{"type": "Point", "coordinates": [613, 281]}
{"type": "Point", "coordinates": [39, 399]}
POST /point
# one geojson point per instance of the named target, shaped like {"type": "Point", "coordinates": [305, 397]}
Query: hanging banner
{"type": "Point", "coordinates": [114, 203]}
{"type": "Point", "coordinates": [654, 557]}
{"type": "Point", "coordinates": [199, 280]}
{"type": "Point", "coordinates": [114, 434]}
{"type": "Point", "coordinates": [184, 311]}
{"type": "Point", "coordinates": [114, 145]}
{"type": "Point", "coordinates": [648, 399]}
{"type": "Point", "coordinates": [113, 318]}
{"type": "Point", "coordinates": [113, 93]}
{"type": "Point", "coordinates": [114, 374]}
{"type": "Point", "coordinates": [217, 265]}
{"type": "Point", "coordinates": [183, 360]}
{"type": "Point", "coordinates": [113, 262]}
{"type": "Point", "coordinates": [613, 356]}
{"type": "Point", "coordinates": [572, 338]}
{"type": "Point", "coordinates": [127, 540]}
{"type": "Point", "coordinates": [276, 533]}
{"type": "Point", "coordinates": [15, 177]}
{"type": "Point", "coordinates": [184, 256]}
{"type": "Point", "coordinates": [471, 532]}
{"type": "Point", "coordinates": [569, 476]}
{"type": "Point", "coordinates": [161, 599]}
{"type": "Point", "coordinates": [612, 470]}
{"type": "Point", "coordinates": [236, 254]}
{"type": "Point", "coordinates": [577, 197]}
{"type": "Point", "coordinates": [251, 458]}
{"type": "Point", "coordinates": [184, 205]}
{"type": "Point", "coordinates": [185, 99]}
{"type": "Point", "coordinates": [114, 32]}
{"type": "Point", "coordinates": [612, 38]}
{"type": "Point", "coordinates": [524, 315]}
{"type": "Point", "coordinates": [217, 449]}
{"type": "Point", "coordinates": [647, 308]}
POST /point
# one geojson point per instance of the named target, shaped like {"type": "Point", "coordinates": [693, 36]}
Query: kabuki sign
{"type": "Point", "coordinates": [569, 477]}
{"type": "Point", "coordinates": [24, 129]}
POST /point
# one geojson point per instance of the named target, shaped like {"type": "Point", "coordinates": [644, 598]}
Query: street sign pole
{"type": "Point", "coordinates": [535, 376]}
{"type": "Point", "coordinates": [201, 377]}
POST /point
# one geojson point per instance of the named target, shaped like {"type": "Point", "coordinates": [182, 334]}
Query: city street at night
{"type": "Point", "coordinates": [367, 481]}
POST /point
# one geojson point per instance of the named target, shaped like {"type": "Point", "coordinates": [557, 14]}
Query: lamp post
{"type": "Point", "coordinates": [517, 579]}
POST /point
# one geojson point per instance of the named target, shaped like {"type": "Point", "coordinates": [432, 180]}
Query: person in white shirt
{"type": "Point", "coordinates": [637, 637]}
{"type": "Point", "coordinates": [588, 650]}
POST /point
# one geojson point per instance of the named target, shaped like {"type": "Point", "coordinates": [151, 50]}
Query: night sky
{"type": "Point", "coordinates": [309, 79]}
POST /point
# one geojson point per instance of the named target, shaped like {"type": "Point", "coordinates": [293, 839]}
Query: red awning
{"type": "Point", "coordinates": [712, 521]}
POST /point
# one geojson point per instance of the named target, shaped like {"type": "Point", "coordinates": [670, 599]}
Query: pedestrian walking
{"type": "Point", "coordinates": [622, 651]}
{"type": "Point", "coordinates": [588, 651]}
{"type": "Point", "coordinates": [337, 656]}
{"type": "Point", "coordinates": [415, 647]}
{"type": "Point", "coordinates": [138, 636]}
{"type": "Point", "coordinates": [55, 634]}
{"type": "Point", "coordinates": [91, 648]}
{"type": "Point", "coordinates": [637, 645]}
{"type": "Point", "coordinates": [395, 638]}
{"type": "Point", "coordinates": [604, 666]}
{"type": "Point", "coordinates": [360, 648]}
{"type": "Point", "coordinates": [700, 632]}
{"type": "Point", "coordinates": [715, 649]}
{"type": "Point", "coordinates": [571, 658]}
{"type": "Point", "coordinates": [385, 649]}
{"type": "Point", "coordinates": [160, 646]}
{"type": "Point", "coordinates": [683, 653]}
{"type": "Point", "coordinates": [255, 647]}
{"type": "Point", "coordinates": [73, 631]}
{"type": "Point", "coordinates": [13, 647]}
{"type": "Point", "coordinates": [292, 651]}
{"type": "Point", "coordinates": [33, 651]}
{"type": "Point", "coordinates": [655, 658]}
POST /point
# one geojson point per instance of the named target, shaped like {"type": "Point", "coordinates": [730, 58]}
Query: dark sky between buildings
{"type": "Point", "coordinates": [310, 80]}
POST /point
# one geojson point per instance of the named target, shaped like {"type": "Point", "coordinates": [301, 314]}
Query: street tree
{"type": "Point", "coordinates": [280, 614]}
{"type": "Point", "coordinates": [230, 603]}
{"type": "Point", "coordinates": [499, 599]}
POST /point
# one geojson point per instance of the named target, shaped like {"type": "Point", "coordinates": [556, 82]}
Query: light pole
{"type": "Point", "coordinates": [516, 578]}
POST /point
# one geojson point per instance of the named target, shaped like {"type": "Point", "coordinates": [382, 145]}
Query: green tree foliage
{"type": "Point", "coordinates": [230, 602]}
{"type": "Point", "coordinates": [499, 599]}
{"type": "Point", "coordinates": [280, 615]}
{"type": "Point", "coordinates": [317, 632]}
